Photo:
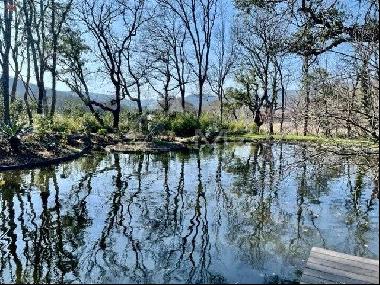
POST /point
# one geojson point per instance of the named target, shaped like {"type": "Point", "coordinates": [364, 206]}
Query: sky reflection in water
{"type": "Point", "coordinates": [234, 213]}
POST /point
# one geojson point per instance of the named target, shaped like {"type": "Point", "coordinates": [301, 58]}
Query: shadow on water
{"type": "Point", "coordinates": [230, 213]}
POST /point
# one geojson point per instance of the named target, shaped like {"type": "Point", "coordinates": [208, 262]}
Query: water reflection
{"type": "Point", "coordinates": [229, 213]}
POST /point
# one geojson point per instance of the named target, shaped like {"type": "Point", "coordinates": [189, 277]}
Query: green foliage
{"type": "Point", "coordinates": [42, 126]}
{"type": "Point", "coordinates": [245, 93]}
{"type": "Point", "coordinates": [210, 125]}
{"type": "Point", "coordinates": [73, 108]}
{"type": "Point", "coordinates": [102, 132]}
{"type": "Point", "coordinates": [208, 121]}
{"type": "Point", "coordinates": [18, 120]}
{"type": "Point", "coordinates": [60, 124]}
{"type": "Point", "coordinates": [12, 133]}
{"type": "Point", "coordinates": [160, 124]}
{"type": "Point", "coordinates": [90, 124]}
{"type": "Point", "coordinates": [66, 125]}
{"type": "Point", "coordinates": [13, 130]}
{"type": "Point", "coordinates": [185, 124]}
{"type": "Point", "coordinates": [181, 124]}
{"type": "Point", "coordinates": [129, 121]}
{"type": "Point", "coordinates": [236, 127]}
{"type": "Point", "coordinates": [240, 127]}
{"type": "Point", "coordinates": [18, 111]}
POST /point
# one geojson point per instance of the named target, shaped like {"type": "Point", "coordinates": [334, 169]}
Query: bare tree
{"type": "Point", "coordinates": [136, 71]}
{"type": "Point", "coordinates": [36, 26]}
{"type": "Point", "coordinates": [27, 83]}
{"type": "Point", "coordinates": [166, 39]}
{"type": "Point", "coordinates": [162, 74]}
{"type": "Point", "coordinates": [5, 48]}
{"type": "Point", "coordinates": [178, 37]}
{"type": "Point", "coordinates": [113, 44]}
{"type": "Point", "coordinates": [225, 54]}
{"type": "Point", "coordinates": [57, 22]}
{"type": "Point", "coordinates": [17, 42]}
{"type": "Point", "coordinates": [198, 17]}
{"type": "Point", "coordinates": [74, 71]}
{"type": "Point", "coordinates": [261, 36]}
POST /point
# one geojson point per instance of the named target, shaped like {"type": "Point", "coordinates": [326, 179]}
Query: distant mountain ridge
{"type": "Point", "coordinates": [64, 96]}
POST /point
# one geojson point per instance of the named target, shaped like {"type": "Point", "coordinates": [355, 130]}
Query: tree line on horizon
{"type": "Point", "coordinates": [245, 52]}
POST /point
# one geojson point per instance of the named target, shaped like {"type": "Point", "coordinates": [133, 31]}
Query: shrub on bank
{"type": "Point", "coordinates": [209, 122]}
{"type": "Point", "coordinates": [90, 124]}
{"type": "Point", "coordinates": [159, 124]}
{"type": "Point", "coordinates": [129, 121]}
{"type": "Point", "coordinates": [67, 124]}
{"type": "Point", "coordinates": [41, 125]}
{"type": "Point", "coordinates": [240, 127]}
{"type": "Point", "coordinates": [184, 124]}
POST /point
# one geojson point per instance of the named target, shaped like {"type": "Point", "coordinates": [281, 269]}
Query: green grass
{"type": "Point", "coordinates": [311, 139]}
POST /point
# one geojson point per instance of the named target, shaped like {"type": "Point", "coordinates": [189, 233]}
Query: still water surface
{"type": "Point", "coordinates": [229, 214]}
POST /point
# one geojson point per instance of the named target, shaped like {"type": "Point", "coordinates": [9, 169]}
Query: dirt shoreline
{"type": "Point", "coordinates": [42, 152]}
{"type": "Point", "coordinates": [36, 153]}
{"type": "Point", "coordinates": [44, 162]}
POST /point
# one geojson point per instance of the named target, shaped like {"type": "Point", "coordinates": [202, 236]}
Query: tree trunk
{"type": "Point", "coordinates": [282, 100]}
{"type": "Point", "coordinates": [266, 83]}
{"type": "Point", "coordinates": [257, 119]}
{"type": "Point", "coordinates": [349, 113]}
{"type": "Point", "coordinates": [53, 90]}
{"type": "Point", "coordinates": [54, 66]}
{"type": "Point", "coordinates": [14, 85]}
{"type": "Point", "coordinates": [139, 106]}
{"type": "Point", "coordinates": [271, 113]}
{"type": "Point", "coordinates": [282, 109]}
{"type": "Point", "coordinates": [116, 112]}
{"type": "Point", "coordinates": [306, 85]}
{"type": "Point", "coordinates": [166, 103]}
{"type": "Point", "coordinates": [200, 102]}
{"type": "Point", "coordinates": [183, 103]}
{"type": "Point", "coordinates": [221, 105]}
{"type": "Point", "coordinates": [273, 103]}
{"type": "Point", "coordinates": [28, 110]}
{"type": "Point", "coordinates": [96, 115]}
{"type": "Point", "coordinates": [41, 98]}
{"type": "Point", "coordinates": [7, 35]}
{"type": "Point", "coordinates": [28, 14]}
{"type": "Point", "coordinates": [15, 57]}
{"type": "Point", "coordinates": [116, 119]}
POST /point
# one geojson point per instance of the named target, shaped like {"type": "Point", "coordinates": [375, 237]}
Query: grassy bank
{"type": "Point", "coordinates": [53, 138]}
{"type": "Point", "coordinates": [310, 139]}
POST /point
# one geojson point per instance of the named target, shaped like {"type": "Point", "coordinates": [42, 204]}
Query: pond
{"type": "Point", "coordinates": [247, 213]}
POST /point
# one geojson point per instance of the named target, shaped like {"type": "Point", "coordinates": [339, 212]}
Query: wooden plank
{"type": "Point", "coordinates": [309, 279]}
{"type": "Point", "coordinates": [342, 273]}
{"type": "Point", "coordinates": [346, 262]}
{"type": "Point", "coordinates": [345, 256]}
{"type": "Point", "coordinates": [326, 266]}
{"type": "Point", "coordinates": [332, 278]}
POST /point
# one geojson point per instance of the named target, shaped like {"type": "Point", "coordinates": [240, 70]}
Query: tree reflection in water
{"type": "Point", "coordinates": [230, 213]}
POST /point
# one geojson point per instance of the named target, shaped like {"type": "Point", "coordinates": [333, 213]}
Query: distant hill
{"type": "Point", "coordinates": [67, 96]}
{"type": "Point", "coordinates": [207, 99]}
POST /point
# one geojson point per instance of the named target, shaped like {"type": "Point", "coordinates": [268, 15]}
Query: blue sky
{"type": "Point", "coordinates": [330, 60]}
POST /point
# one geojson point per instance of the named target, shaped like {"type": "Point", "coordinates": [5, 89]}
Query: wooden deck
{"type": "Point", "coordinates": [330, 267]}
